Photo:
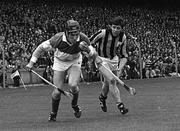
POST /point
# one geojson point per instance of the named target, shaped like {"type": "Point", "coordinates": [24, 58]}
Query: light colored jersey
{"type": "Point", "coordinates": [64, 51]}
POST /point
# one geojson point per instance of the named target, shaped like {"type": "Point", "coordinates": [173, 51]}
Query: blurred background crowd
{"type": "Point", "coordinates": [25, 24]}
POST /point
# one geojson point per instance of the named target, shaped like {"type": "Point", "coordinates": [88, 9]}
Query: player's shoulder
{"type": "Point", "coordinates": [100, 32]}
{"type": "Point", "coordinates": [103, 31]}
{"type": "Point", "coordinates": [57, 37]}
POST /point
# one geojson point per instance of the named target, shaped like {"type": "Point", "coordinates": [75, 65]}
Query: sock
{"type": "Point", "coordinates": [55, 105]}
{"type": "Point", "coordinates": [102, 96]}
{"type": "Point", "coordinates": [75, 99]}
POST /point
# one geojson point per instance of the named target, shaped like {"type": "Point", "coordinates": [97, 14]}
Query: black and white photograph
{"type": "Point", "coordinates": [89, 65]}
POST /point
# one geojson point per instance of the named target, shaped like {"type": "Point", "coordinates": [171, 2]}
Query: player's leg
{"type": "Point", "coordinates": [58, 80]}
{"type": "Point", "coordinates": [103, 95]}
{"type": "Point", "coordinates": [112, 83]}
{"type": "Point", "coordinates": [59, 68]}
{"type": "Point", "coordinates": [116, 95]}
{"type": "Point", "coordinates": [104, 91]}
{"type": "Point", "coordinates": [74, 74]}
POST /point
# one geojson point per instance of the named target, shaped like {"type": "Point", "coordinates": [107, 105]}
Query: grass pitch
{"type": "Point", "coordinates": [156, 107]}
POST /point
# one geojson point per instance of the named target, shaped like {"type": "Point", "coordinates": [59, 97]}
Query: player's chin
{"type": "Point", "coordinates": [73, 41]}
{"type": "Point", "coordinates": [115, 33]}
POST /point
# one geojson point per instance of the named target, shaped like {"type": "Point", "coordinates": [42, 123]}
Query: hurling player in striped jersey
{"type": "Point", "coordinates": [67, 58]}
{"type": "Point", "coordinates": [109, 43]}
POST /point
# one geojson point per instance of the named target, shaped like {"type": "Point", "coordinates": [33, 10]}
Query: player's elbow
{"type": "Point", "coordinates": [46, 45]}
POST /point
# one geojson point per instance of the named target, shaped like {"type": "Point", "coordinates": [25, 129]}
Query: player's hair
{"type": "Point", "coordinates": [117, 21]}
{"type": "Point", "coordinates": [72, 26]}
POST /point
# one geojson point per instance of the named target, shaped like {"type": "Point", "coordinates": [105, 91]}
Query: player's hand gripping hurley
{"type": "Point", "coordinates": [66, 93]}
{"type": "Point", "coordinates": [131, 90]}
{"type": "Point", "coordinates": [104, 70]}
{"type": "Point", "coordinates": [29, 67]}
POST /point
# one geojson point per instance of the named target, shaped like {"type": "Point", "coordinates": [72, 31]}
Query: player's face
{"type": "Point", "coordinates": [72, 37]}
{"type": "Point", "coordinates": [116, 29]}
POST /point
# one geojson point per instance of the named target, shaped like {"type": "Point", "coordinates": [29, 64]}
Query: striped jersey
{"type": "Point", "coordinates": [109, 46]}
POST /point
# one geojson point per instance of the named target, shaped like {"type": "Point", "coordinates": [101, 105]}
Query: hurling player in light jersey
{"type": "Point", "coordinates": [110, 44]}
{"type": "Point", "coordinates": [67, 58]}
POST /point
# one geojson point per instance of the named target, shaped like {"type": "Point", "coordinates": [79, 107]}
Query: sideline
{"type": "Point", "coordinates": [89, 83]}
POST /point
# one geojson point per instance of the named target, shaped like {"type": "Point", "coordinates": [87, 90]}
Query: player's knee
{"type": "Point", "coordinates": [116, 90]}
{"type": "Point", "coordinates": [73, 83]}
{"type": "Point", "coordinates": [109, 78]}
{"type": "Point", "coordinates": [56, 94]}
{"type": "Point", "coordinates": [75, 89]}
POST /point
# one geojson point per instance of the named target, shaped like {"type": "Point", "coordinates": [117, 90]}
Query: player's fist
{"type": "Point", "coordinates": [98, 60]}
{"type": "Point", "coordinates": [30, 65]}
{"type": "Point", "coordinates": [84, 46]}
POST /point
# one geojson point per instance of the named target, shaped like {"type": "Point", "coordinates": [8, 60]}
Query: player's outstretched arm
{"type": "Point", "coordinates": [45, 46]}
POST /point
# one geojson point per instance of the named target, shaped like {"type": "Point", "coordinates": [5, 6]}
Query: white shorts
{"type": "Point", "coordinates": [111, 64]}
{"type": "Point", "coordinates": [63, 66]}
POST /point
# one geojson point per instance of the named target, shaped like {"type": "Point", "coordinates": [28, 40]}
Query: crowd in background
{"type": "Point", "coordinates": [26, 24]}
